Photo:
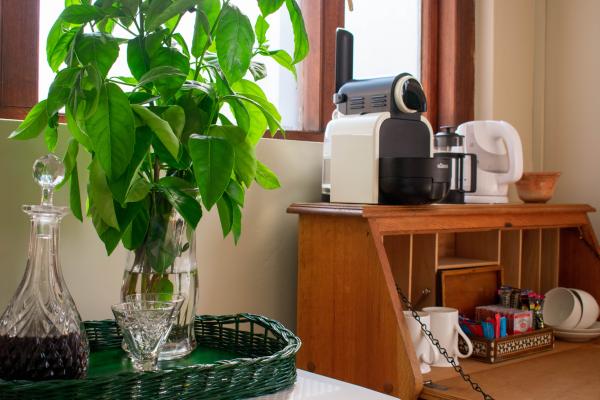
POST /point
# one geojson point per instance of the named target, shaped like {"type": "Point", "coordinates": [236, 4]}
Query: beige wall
{"type": "Point", "coordinates": [259, 275]}
{"type": "Point", "coordinates": [572, 100]}
{"type": "Point", "coordinates": [537, 66]}
{"type": "Point", "coordinates": [504, 64]}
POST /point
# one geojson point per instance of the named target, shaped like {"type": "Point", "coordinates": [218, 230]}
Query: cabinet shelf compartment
{"type": "Point", "coordinates": [468, 249]}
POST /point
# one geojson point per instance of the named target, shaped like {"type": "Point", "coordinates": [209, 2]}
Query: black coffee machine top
{"type": "Point", "coordinates": [402, 152]}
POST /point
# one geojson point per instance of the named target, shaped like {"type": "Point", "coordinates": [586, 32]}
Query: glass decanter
{"type": "Point", "coordinates": [41, 333]}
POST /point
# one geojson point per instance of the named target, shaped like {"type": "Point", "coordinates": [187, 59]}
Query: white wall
{"type": "Point", "coordinates": [258, 275]}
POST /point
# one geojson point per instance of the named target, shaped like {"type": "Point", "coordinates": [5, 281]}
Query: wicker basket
{"type": "Point", "coordinates": [266, 364]}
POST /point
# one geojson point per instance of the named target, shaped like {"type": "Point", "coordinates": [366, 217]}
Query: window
{"type": "Point", "coordinates": [385, 43]}
{"type": "Point", "coordinates": [444, 60]}
{"type": "Point", "coordinates": [279, 85]}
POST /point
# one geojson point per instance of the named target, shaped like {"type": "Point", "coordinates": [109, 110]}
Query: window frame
{"type": "Point", "coordinates": [447, 61]}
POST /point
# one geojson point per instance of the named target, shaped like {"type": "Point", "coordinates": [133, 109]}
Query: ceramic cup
{"type": "Point", "coordinates": [445, 328]}
{"type": "Point", "coordinates": [589, 309]}
{"type": "Point", "coordinates": [562, 309]}
{"type": "Point", "coordinates": [426, 352]}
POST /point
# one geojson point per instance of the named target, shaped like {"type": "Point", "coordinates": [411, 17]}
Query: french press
{"type": "Point", "coordinates": [450, 144]}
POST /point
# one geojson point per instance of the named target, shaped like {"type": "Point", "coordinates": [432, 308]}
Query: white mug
{"type": "Point", "coordinates": [427, 354]}
{"type": "Point", "coordinates": [445, 328]}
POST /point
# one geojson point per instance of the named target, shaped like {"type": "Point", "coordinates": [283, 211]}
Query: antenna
{"type": "Point", "coordinates": [344, 57]}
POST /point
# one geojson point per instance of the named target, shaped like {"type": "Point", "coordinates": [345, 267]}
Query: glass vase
{"type": "Point", "coordinates": [41, 333]}
{"type": "Point", "coordinates": [165, 263]}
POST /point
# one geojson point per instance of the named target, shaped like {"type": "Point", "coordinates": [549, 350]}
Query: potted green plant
{"type": "Point", "coordinates": [162, 147]}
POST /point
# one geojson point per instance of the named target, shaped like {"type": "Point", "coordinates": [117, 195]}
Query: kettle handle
{"type": "Point", "coordinates": [514, 150]}
{"type": "Point", "coordinates": [473, 178]}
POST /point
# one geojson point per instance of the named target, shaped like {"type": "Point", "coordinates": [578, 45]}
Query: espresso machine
{"type": "Point", "coordinates": [448, 143]}
{"type": "Point", "coordinates": [378, 148]}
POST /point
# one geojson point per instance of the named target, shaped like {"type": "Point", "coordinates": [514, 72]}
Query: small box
{"type": "Point", "coordinates": [517, 321]}
{"type": "Point", "coordinates": [506, 348]}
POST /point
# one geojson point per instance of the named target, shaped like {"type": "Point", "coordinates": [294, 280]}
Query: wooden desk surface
{"type": "Point", "coordinates": [570, 371]}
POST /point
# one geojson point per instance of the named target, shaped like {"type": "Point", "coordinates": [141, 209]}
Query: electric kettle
{"type": "Point", "coordinates": [499, 152]}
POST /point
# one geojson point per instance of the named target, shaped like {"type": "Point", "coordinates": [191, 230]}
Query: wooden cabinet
{"type": "Point", "coordinates": [353, 258]}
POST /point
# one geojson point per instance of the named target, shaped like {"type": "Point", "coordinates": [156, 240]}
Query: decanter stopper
{"type": "Point", "coordinates": [48, 172]}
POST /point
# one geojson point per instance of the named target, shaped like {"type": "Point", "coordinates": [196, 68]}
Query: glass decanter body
{"type": "Point", "coordinates": [41, 333]}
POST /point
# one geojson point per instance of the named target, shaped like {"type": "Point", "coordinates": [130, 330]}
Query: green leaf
{"type": "Point", "coordinates": [33, 124]}
{"type": "Point", "coordinates": [91, 83]}
{"type": "Point", "coordinates": [121, 186]}
{"type": "Point", "coordinates": [106, 25]}
{"type": "Point", "coordinates": [97, 49]}
{"type": "Point", "coordinates": [269, 111]}
{"type": "Point", "coordinates": [225, 209]}
{"type": "Point", "coordinates": [154, 41]}
{"type": "Point", "coordinates": [240, 113]}
{"type": "Point", "coordinates": [258, 123]}
{"type": "Point", "coordinates": [101, 196]}
{"type": "Point", "coordinates": [111, 130]}
{"type": "Point", "coordinates": [51, 137]}
{"type": "Point", "coordinates": [169, 85]}
{"type": "Point", "coordinates": [159, 72]}
{"type": "Point", "coordinates": [181, 198]}
{"type": "Point", "coordinates": [181, 42]}
{"type": "Point", "coordinates": [74, 194]}
{"type": "Point", "coordinates": [160, 127]}
{"type": "Point", "coordinates": [269, 6]}
{"type": "Point", "coordinates": [196, 119]}
{"type": "Point", "coordinates": [245, 162]}
{"type": "Point", "coordinates": [58, 43]}
{"type": "Point", "coordinates": [158, 16]}
{"type": "Point", "coordinates": [236, 192]}
{"type": "Point", "coordinates": [284, 59]}
{"type": "Point", "coordinates": [81, 14]}
{"type": "Point", "coordinates": [76, 131]}
{"type": "Point", "coordinates": [136, 58]}
{"type": "Point", "coordinates": [232, 133]}
{"type": "Point", "coordinates": [130, 8]}
{"type": "Point", "coordinates": [260, 28]}
{"type": "Point", "coordinates": [175, 116]}
{"type": "Point", "coordinates": [164, 286]}
{"type": "Point", "coordinates": [300, 35]}
{"type": "Point", "coordinates": [69, 160]}
{"type": "Point", "coordinates": [236, 224]}
{"type": "Point", "coordinates": [134, 235]}
{"type": "Point", "coordinates": [201, 34]}
{"type": "Point", "coordinates": [265, 177]}
{"type": "Point", "coordinates": [207, 11]}
{"type": "Point", "coordinates": [60, 89]}
{"type": "Point", "coordinates": [138, 191]}
{"type": "Point", "coordinates": [234, 40]}
{"type": "Point", "coordinates": [213, 160]}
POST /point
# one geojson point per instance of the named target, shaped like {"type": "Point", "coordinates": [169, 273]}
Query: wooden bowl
{"type": "Point", "coordinates": [537, 187]}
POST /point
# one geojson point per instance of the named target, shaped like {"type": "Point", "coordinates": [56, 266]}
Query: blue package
{"type": "Point", "coordinates": [488, 330]}
{"type": "Point", "coordinates": [503, 327]}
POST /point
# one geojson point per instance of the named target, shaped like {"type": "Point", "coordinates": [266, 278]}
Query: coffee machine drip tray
{"type": "Point", "coordinates": [405, 180]}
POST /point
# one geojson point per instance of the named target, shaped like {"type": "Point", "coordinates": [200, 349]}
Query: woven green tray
{"type": "Point", "coordinates": [238, 356]}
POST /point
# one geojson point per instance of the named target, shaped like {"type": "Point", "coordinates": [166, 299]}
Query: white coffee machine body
{"type": "Point", "coordinates": [351, 159]}
{"type": "Point", "coordinates": [497, 145]}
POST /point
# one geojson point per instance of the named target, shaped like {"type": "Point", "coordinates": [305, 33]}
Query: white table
{"type": "Point", "coordinates": [319, 387]}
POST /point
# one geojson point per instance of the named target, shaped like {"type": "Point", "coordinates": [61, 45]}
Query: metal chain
{"type": "Point", "coordinates": [466, 377]}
